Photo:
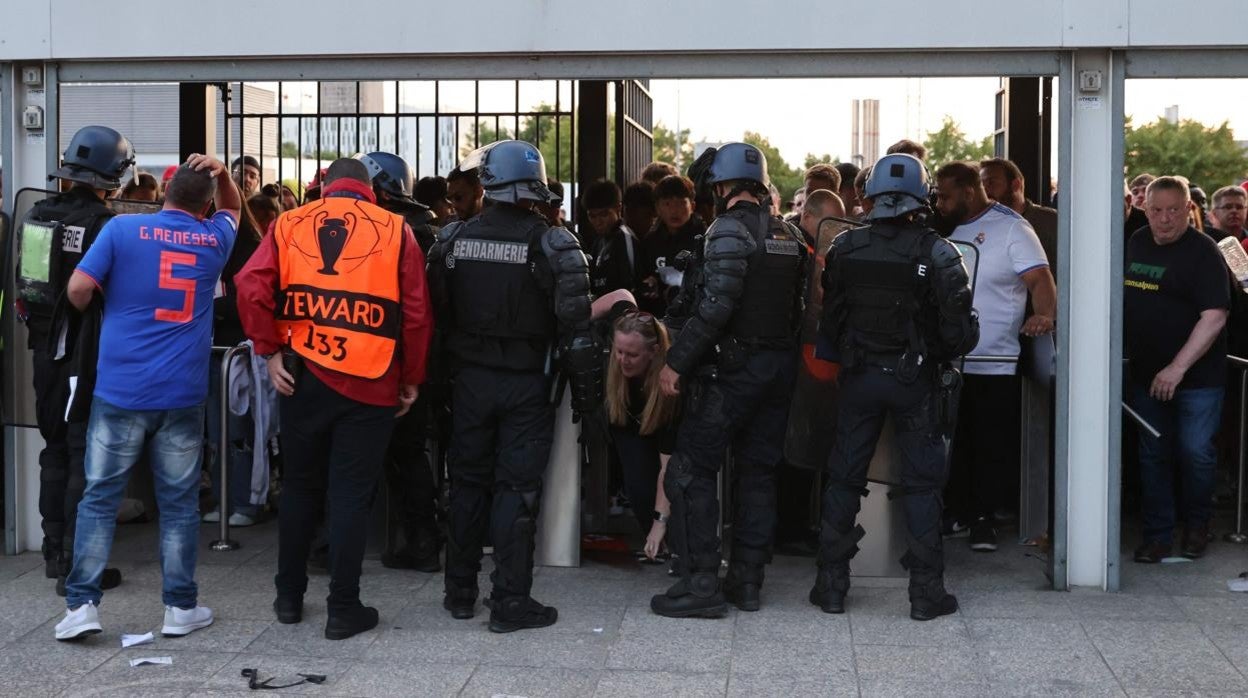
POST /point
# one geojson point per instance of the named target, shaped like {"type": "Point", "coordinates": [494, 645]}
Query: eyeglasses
{"type": "Point", "coordinates": [641, 315]}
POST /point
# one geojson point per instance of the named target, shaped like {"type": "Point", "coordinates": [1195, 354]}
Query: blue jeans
{"type": "Point", "coordinates": [1188, 424]}
{"type": "Point", "coordinates": [242, 436]}
{"type": "Point", "coordinates": [115, 439]}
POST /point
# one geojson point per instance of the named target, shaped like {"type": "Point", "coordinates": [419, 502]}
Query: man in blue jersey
{"type": "Point", "coordinates": [156, 273]}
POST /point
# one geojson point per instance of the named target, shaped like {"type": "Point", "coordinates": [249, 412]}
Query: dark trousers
{"type": "Point", "coordinates": [333, 446]}
{"type": "Point", "coordinates": [866, 397]}
{"type": "Point", "coordinates": [412, 491]}
{"type": "Point", "coordinates": [746, 409]}
{"type": "Point", "coordinates": [62, 479]}
{"type": "Point", "coordinates": [501, 439]}
{"type": "Point", "coordinates": [985, 447]}
{"type": "Point", "coordinates": [639, 464]}
{"type": "Point", "coordinates": [1188, 424]}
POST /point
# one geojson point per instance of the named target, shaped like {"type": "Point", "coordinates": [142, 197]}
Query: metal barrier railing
{"type": "Point", "coordinates": [223, 445]}
{"type": "Point", "coordinates": [1135, 416]}
{"type": "Point", "coordinates": [1238, 536]}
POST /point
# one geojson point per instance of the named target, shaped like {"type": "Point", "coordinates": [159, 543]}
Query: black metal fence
{"type": "Point", "coordinates": [294, 129]}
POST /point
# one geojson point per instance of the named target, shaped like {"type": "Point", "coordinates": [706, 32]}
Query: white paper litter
{"type": "Point", "coordinates": [1237, 584]}
{"type": "Point", "coordinates": [132, 640]}
{"type": "Point", "coordinates": [1174, 560]}
{"type": "Point", "coordinates": [597, 630]}
{"type": "Point", "coordinates": [151, 660]}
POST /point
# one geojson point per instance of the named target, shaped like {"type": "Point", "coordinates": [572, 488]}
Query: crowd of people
{"type": "Point", "coordinates": [683, 314]}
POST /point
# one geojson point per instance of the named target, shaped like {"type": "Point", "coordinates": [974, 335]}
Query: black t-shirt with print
{"type": "Point", "coordinates": [614, 261]}
{"type": "Point", "coordinates": [660, 249]}
{"type": "Point", "coordinates": [1165, 288]}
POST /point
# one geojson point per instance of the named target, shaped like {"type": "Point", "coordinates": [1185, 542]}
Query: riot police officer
{"type": "Point", "coordinates": [59, 230]}
{"type": "Point", "coordinates": [507, 289]}
{"type": "Point", "coordinates": [897, 308]}
{"type": "Point", "coordinates": [394, 183]}
{"type": "Point", "coordinates": [735, 357]}
{"type": "Point", "coordinates": [411, 488]}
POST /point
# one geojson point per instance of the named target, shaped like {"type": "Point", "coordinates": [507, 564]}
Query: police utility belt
{"type": "Point", "coordinates": [906, 366]}
{"type": "Point", "coordinates": [732, 353]}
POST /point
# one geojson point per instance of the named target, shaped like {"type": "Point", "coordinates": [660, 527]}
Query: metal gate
{"type": "Point", "coordinates": [295, 128]}
{"type": "Point", "coordinates": [634, 134]}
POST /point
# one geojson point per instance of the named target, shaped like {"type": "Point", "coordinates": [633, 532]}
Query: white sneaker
{"type": "Point", "coordinates": [212, 517]}
{"type": "Point", "coordinates": [179, 622]}
{"type": "Point", "coordinates": [239, 520]}
{"type": "Point", "coordinates": [79, 622]}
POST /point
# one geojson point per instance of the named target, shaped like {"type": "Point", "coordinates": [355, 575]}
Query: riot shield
{"type": "Point", "coordinates": [126, 206]}
{"type": "Point", "coordinates": [812, 415]}
{"type": "Point", "coordinates": [970, 259]}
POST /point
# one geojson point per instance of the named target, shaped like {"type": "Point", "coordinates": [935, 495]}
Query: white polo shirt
{"type": "Point", "coordinates": [1008, 248]}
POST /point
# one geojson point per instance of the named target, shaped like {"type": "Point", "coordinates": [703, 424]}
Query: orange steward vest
{"type": "Point", "coordinates": [338, 284]}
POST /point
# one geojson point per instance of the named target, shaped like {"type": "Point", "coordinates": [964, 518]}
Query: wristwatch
{"type": "Point", "coordinates": [661, 517]}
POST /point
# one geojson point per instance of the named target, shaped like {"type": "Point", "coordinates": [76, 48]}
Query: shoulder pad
{"type": "Point", "coordinates": [732, 240]}
{"type": "Point", "coordinates": [728, 226]}
{"type": "Point", "coordinates": [944, 253]}
{"type": "Point", "coordinates": [559, 240]}
{"type": "Point", "coordinates": [449, 231]}
{"type": "Point", "coordinates": [853, 239]}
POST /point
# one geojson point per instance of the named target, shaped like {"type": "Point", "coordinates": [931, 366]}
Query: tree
{"type": "Point", "coordinates": [786, 177]}
{"type": "Point", "coordinates": [1205, 155]}
{"type": "Point", "coordinates": [290, 150]}
{"type": "Point", "coordinates": [949, 144]}
{"type": "Point", "coordinates": [666, 148]}
{"type": "Point", "coordinates": [812, 160]}
{"type": "Point", "coordinates": [538, 130]}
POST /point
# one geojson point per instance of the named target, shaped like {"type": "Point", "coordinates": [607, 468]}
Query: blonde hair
{"type": "Point", "coordinates": [659, 410]}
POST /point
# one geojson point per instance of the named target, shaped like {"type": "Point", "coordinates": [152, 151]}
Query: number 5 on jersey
{"type": "Point", "coordinates": [171, 283]}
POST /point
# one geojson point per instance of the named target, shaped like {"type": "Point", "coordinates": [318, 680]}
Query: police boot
{"type": "Point", "coordinates": [696, 596]}
{"type": "Point", "coordinates": [831, 586]}
{"type": "Point", "coordinates": [835, 551]}
{"type": "Point", "coordinates": [928, 598]}
{"type": "Point", "coordinates": [51, 559]}
{"type": "Point", "coordinates": [421, 551]}
{"type": "Point", "coordinates": [743, 585]}
{"type": "Point", "coordinates": [461, 601]}
{"type": "Point", "coordinates": [111, 578]}
{"type": "Point", "coordinates": [511, 613]}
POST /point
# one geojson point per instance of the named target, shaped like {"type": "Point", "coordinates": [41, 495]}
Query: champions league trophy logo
{"type": "Point", "coordinates": [331, 237]}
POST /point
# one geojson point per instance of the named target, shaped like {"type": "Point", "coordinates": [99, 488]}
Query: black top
{"type": "Point", "coordinates": [659, 249]}
{"type": "Point", "coordinates": [1165, 289]}
{"type": "Point", "coordinates": [1134, 221]}
{"type": "Point", "coordinates": [227, 327]}
{"type": "Point", "coordinates": [614, 261]}
{"type": "Point", "coordinates": [665, 437]}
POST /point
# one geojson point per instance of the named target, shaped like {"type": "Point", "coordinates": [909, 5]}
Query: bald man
{"type": "Point", "coordinates": [820, 204]}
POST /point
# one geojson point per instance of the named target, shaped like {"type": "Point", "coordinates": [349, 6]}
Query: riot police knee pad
{"type": "Point", "coordinates": [678, 475]}
{"type": "Point", "coordinates": [853, 488]}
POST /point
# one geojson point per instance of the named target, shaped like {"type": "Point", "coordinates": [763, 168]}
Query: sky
{"type": "Point", "coordinates": [803, 116]}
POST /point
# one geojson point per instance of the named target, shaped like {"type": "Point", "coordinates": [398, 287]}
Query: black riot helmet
{"type": "Point", "coordinates": [510, 171]}
{"type": "Point", "coordinates": [390, 173]}
{"type": "Point", "coordinates": [97, 156]}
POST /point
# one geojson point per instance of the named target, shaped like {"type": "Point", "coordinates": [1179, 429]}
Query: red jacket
{"type": "Point", "coordinates": [257, 284]}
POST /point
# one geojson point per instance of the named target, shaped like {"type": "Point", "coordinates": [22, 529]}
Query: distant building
{"type": "Point", "coordinates": [864, 136]}
{"type": "Point", "coordinates": [147, 114]}
{"type": "Point", "coordinates": [702, 146]}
